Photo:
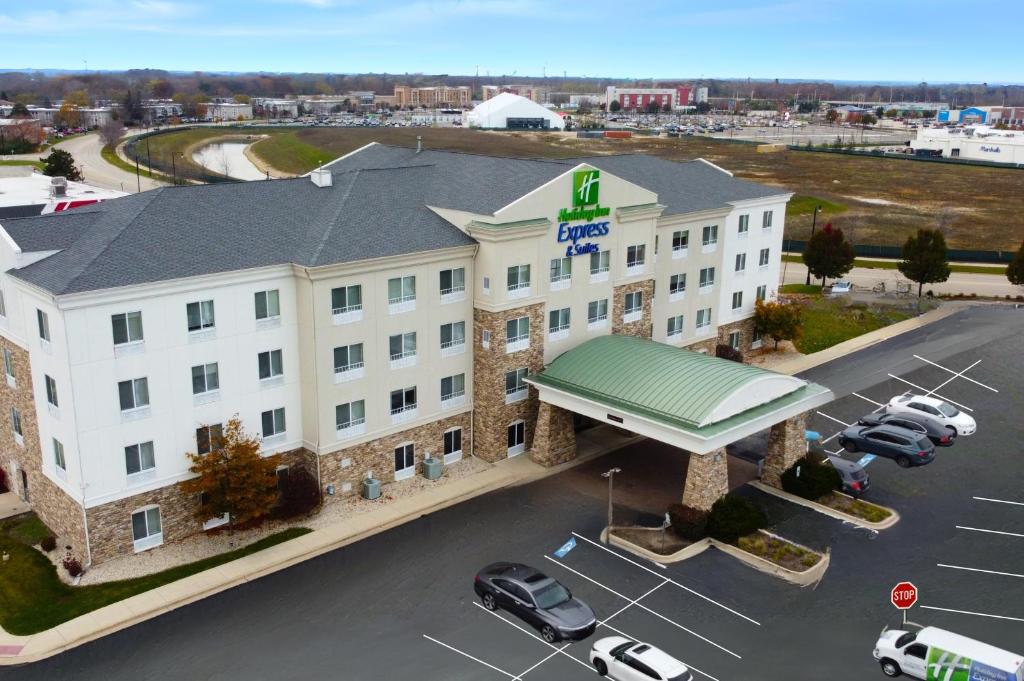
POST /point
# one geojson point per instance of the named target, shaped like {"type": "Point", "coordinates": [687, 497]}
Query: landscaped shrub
{"type": "Point", "coordinates": [688, 522]}
{"type": "Point", "coordinates": [815, 479]}
{"type": "Point", "coordinates": [49, 543]}
{"type": "Point", "coordinates": [725, 351]}
{"type": "Point", "coordinates": [72, 565]}
{"type": "Point", "coordinates": [733, 517]}
{"type": "Point", "coordinates": [299, 495]}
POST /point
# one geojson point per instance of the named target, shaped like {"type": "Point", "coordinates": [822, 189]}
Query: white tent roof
{"type": "Point", "coordinates": [496, 111]}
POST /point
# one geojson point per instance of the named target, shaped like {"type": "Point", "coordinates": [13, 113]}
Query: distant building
{"type": "Point", "coordinates": [531, 92]}
{"type": "Point", "coordinates": [268, 107]}
{"type": "Point", "coordinates": [161, 109]}
{"type": "Point", "coordinates": [22, 129]}
{"type": "Point", "coordinates": [88, 118]}
{"type": "Point", "coordinates": [433, 97]}
{"type": "Point", "coordinates": [973, 115]}
{"type": "Point", "coordinates": [639, 99]}
{"type": "Point", "coordinates": [511, 112]}
{"type": "Point", "coordinates": [228, 111]}
{"type": "Point", "coordinates": [851, 112]}
{"type": "Point", "coordinates": [979, 143]}
{"type": "Point", "coordinates": [1012, 116]}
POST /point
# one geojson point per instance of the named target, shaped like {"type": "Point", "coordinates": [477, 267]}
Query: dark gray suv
{"type": "Point", "coordinates": [906, 447]}
{"type": "Point", "coordinates": [537, 599]}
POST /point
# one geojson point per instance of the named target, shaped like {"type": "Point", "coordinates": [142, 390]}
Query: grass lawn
{"type": "Point", "coordinates": [289, 154]}
{"type": "Point", "coordinates": [828, 322]}
{"type": "Point", "coordinates": [111, 157]}
{"type": "Point", "coordinates": [998, 270]}
{"type": "Point", "coordinates": [804, 205]}
{"type": "Point", "coordinates": [33, 599]}
{"type": "Point", "coordinates": [38, 165]}
{"type": "Point", "coordinates": [804, 289]}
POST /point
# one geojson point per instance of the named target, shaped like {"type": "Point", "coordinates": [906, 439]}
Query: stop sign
{"type": "Point", "coordinates": [903, 595]}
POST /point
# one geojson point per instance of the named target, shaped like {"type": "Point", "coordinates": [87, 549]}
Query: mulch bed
{"type": "Point", "coordinates": [662, 543]}
{"type": "Point", "coordinates": [780, 552]}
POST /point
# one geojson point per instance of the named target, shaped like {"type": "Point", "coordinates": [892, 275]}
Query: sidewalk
{"type": "Point", "coordinates": [12, 505]}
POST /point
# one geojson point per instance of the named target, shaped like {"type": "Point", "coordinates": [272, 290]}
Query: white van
{"type": "Point", "coordinates": [937, 655]}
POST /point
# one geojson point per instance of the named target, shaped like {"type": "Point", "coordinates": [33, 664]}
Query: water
{"type": "Point", "coordinates": [228, 158]}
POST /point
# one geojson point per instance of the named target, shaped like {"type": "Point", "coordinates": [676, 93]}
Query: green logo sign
{"type": "Point", "coordinates": [585, 187]}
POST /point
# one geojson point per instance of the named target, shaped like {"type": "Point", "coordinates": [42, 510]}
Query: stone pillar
{"type": "Point", "coordinates": [707, 479]}
{"type": "Point", "coordinates": [786, 444]}
{"type": "Point", "coordinates": [554, 440]}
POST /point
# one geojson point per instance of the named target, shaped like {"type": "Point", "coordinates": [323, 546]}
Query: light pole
{"type": "Point", "coordinates": [814, 221]}
{"type": "Point", "coordinates": [174, 167]}
{"type": "Point", "coordinates": [610, 474]}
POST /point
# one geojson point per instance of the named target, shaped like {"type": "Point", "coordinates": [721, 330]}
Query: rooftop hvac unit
{"type": "Point", "coordinates": [59, 186]}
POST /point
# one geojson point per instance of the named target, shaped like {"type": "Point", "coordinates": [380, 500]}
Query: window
{"type": "Point", "coordinates": [635, 256]}
{"type": "Point", "coordinates": [677, 284]}
{"type": "Point", "coordinates": [133, 393]}
{"type": "Point", "coordinates": [453, 387]}
{"type": "Point", "coordinates": [453, 335]}
{"type": "Point", "coordinates": [517, 334]}
{"type": "Point", "coordinates": [561, 270]}
{"type": "Point", "coordinates": [200, 315]}
{"type": "Point", "coordinates": [558, 320]}
{"type": "Point", "coordinates": [402, 346]}
{"type": "Point", "coordinates": [58, 457]}
{"type": "Point", "coordinates": [146, 530]}
{"type": "Point", "coordinates": [8, 364]}
{"type": "Point", "coordinates": [139, 458]}
{"type": "Point", "coordinates": [737, 300]}
{"type": "Point", "coordinates": [485, 339]}
{"type": "Point", "coordinates": [597, 311]}
{"type": "Point", "coordinates": [634, 303]}
{"type": "Point", "coordinates": [518, 277]}
{"type": "Point", "coordinates": [755, 339]}
{"type": "Point", "coordinates": [516, 387]}
{"type": "Point", "coordinates": [209, 438]}
{"type": "Point", "coordinates": [273, 422]}
{"type": "Point", "coordinates": [271, 364]}
{"type": "Point", "coordinates": [516, 438]}
{"type": "Point", "coordinates": [675, 326]}
{"type": "Point", "coordinates": [3, 305]}
{"type": "Point", "coordinates": [600, 262]}
{"type": "Point", "coordinates": [348, 358]}
{"type": "Point", "coordinates": [918, 650]}
{"type": "Point", "coordinates": [762, 260]}
{"type": "Point", "coordinates": [403, 400]}
{"type": "Point", "coordinates": [744, 225]}
{"type": "Point", "coordinates": [282, 478]}
{"type": "Point", "coordinates": [710, 235]}
{"type": "Point", "coordinates": [127, 327]}
{"type": "Point", "coordinates": [345, 299]}
{"type": "Point", "coordinates": [680, 241]}
{"type": "Point", "coordinates": [707, 277]}
{"type": "Point", "coordinates": [205, 378]}
{"type": "Point", "coordinates": [405, 461]}
{"type": "Point", "coordinates": [487, 286]}
{"type": "Point", "coordinates": [453, 281]}
{"type": "Point", "coordinates": [51, 390]}
{"type": "Point", "coordinates": [703, 318]}
{"type": "Point", "coordinates": [741, 262]}
{"type": "Point", "coordinates": [401, 290]}
{"type": "Point", "coordinates": [350, 415]}
{"type": "Point", "coordinates": [268, 304]}
{"type": "Point", "coordinates": [16, 422]}
{"type": "Point", "coordinates": [766, 221]}
{"type": "Point", "coordinates": [762, 292]}
{"type": "Point", "coordinates": [734, 340]}
{"type": "Point", "coordinates": [452, 445]}
{"type": "Point", "coordinates": [44, 325]}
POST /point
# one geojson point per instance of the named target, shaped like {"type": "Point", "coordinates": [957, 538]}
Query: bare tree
{"type": "Point", "coordinates": [111, 132]}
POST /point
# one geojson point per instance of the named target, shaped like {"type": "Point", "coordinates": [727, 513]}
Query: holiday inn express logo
{"type": "Point", "coordinates": [585, 187]}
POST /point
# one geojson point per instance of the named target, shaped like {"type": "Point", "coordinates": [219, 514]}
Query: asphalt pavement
{"type": "Point", "coordinates": [400, 605]}
{"type": "Point", "coordinates": [990, 285]}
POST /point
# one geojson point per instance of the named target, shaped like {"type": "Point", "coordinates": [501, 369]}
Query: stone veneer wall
{"type": "Point", "coordinates": [492, 415]}
{"type": "Point", "coordinates": [644, 326]}
{"type": "Point", "coordinates": [61, 513]}
{"type": "Point", "coordinates": [746, 329]}
{"type": "Point", "coordinates": [707, 479]}
{"type": "Point", "coordinates": [350, 465]}
{"type": "Point", "coordinates": [786, 444]}
{"type": "Point", "coordinates": [554, 441]}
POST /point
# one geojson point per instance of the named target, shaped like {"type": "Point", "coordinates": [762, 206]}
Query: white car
{"type": "Point", "coordinates": [943, 412]}
{"type": "Point", "coordinates": [840, 288]}
{"type": "Point", "coordinates": [621, 659]}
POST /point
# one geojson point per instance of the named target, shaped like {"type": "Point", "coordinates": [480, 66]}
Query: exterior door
{"type": "Point", "coordinates": [914, 657]}
{"type": "Point", "coordinates": [24, 485]}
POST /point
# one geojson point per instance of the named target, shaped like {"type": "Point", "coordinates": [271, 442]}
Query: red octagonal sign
{"type": "Point", "coordinates": [904, 595]}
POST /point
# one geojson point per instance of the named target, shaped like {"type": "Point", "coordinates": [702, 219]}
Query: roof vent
{"type": "Point", "coordinates": [321, 177]}
{"type": "Point", "coordinates": [59, 186]}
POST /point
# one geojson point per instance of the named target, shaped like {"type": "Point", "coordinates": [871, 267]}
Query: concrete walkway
{"type": "Point", "coordinates": [12, 505]}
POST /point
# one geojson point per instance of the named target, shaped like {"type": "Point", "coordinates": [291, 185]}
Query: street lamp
{"type": "Point", "coordinates": [814, 221]}
{"type": "Point", "coordinates": [610, 474]}
{"type": "Point", "coordinates": [174, 167]}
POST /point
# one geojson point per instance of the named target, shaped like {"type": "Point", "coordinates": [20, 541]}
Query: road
{"type": "Point", "coordinates": [365, 611]}
{"type": "Point", "coordinates": [991, 285]}
{"type": "Point", "coordinates": [97, 171]}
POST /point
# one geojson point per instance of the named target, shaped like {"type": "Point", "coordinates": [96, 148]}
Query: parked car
{"type": "Point", "coordinates": [934, 653]}
{"type": "Point", "coordinates": [940, 435]}
{"type": "Point", "coordinates": [535, 598]}
{"type": "Point", "coordinates": [943, 412]}
{"type": "Point", "coordinates": [621, 659]}
{"type": "Point", "coordinates": [840, 288]}
{"type": "Point", "coordinates": [855, 478]}
{"type": "Point", "coordinates": [906, 447]}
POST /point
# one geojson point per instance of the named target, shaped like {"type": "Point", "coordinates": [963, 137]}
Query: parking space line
{"type": "Point", "coordinates": [634, 638]}
{"type": "Point", "coordinates": [867, 399]}
{"type": "Point", "coordinates": [557, 651]}
{"type": "Point", "coordinates": [960, 373]}
{"type": "Point", "coordinates": [645, 608]}
{"type": "Point", "coordinates": [970, 569]}
{"type": "Point", "coordinates": [979, 614]}
{"type": "Point", "coordinates": [930, 392]}
{"type": "Point", "coordinates": [633, 602]}
{"type": "Point", "coordinates": [832, 418]}
{"type": "Point", "coordinates": [950, 380]}
{"type": "Point", "coordinates": [979, 529]}
{"type": "Point", "coordinates": [532, 635]}
{"type": "Point", "coordinates": [1000, 501]}
{"type": "Point", "coordinates": [681, 586]}
{"type": "Point", "coordinates": [475, 659]}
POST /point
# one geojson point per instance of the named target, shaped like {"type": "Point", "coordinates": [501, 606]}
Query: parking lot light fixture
{"type": "Point", "coordinates": [610, 474]}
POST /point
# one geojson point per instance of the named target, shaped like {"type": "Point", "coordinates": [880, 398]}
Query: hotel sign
{"type": "Point", "coordinates": [586, 209]}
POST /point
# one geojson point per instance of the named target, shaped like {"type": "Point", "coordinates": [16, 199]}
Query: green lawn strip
{"type": "Point", "coordinates": [812, 290]}
{"type": "Point", "coordinates": [999, 270]}
{"type": "Point", "coordinates": [830, 322]}
{"type": "Point", "coordinates": [33, 599]}
{"type": "Point", "coordinates": [38, 165]}
{"type": "Point", "coordinates": [285, 152]}
{"type": "Point", "coordinates": [111, 157]}
{"type": "Point", "coordinates": [804, 205]}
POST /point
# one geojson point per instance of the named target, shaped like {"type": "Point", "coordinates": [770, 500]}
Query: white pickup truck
{"type": "Point", "coordinates": [936, 655]}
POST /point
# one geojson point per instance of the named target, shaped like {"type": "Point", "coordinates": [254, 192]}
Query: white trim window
{"type": "Point", "coordinates": [452, 445]}
{"type": "Point", "coordinates": [741, 263]}
{"type": "Point", "coordinates": [347, 304]}
{"type": "Point", "coordinates": [674, 328]}
{"type": "Point", "coordinates": [51, 391]}
{"type": "Point", "coordinates": [209, 437]}
{"type": "Point", "coordinates": [597, 314]}
{"type": "Point", "coordinates": [766, 219]}
{"type": "Point", "coordinates": [146, 528]}
{"type": "Point", "coordinates": [126, 328]}
{"type": "Point", "coordinates": [703, 321]}
{"type": "Point", "coordinates": [709, 238]}
{"type": "Point", "coordinates": [757, 340]}
{"type": "Point", "coordinates": [635, 259]}
{"type": "Point", "coordinates": [734, 340]}
{"type": "Point", "coordinates": [517, 334]}
{"type": "Point", "coordinates": [402, 350]}
{"type": "Point", "coordinates": [205, 380]}
{"type": "Point", "coordinates": [401, 294]}
{"type": "Point", "coordinates": [487, 286]}
{"type": "Point", "coordinates": [453, 391]}
{"type": "Point", "coordinates": [200, 316]}
{"type": "Point", "coordinates": [453, 339]}
{"type": "Point", "coordinates": [43, 321]}
{"type": "Point", "coordinates": [680, 243]}
{"type": "Point", "coordinates": [3, 304]}
{"type": "Point", "coordinates": [485, 339]}
{"type": "Point", "coordinates": [744, 228]}
{"type": "Point", "coordinates": [139, 462]}
{"type": "Point", "coordinates": [707, 280]}
{"type": "Point", "coordinates": [516, 438]}
{"type": "Point", "coordinates": [405, 461]}
{"type": "Point", "coordinates": [350, 419]}
{"type": "Point", "coordinates": [737, 300]}
{"type": "Point", "coordinates": [558, 324]}
{"type": "Point", "coordinates": [561, 273]}
{"type": "Point", "coordinates": [762, 292]}
{"type": "Point", "coordinates": [763, 259]}
{"type": "Point", "coordinates": [348, 362]}
{"type": "Point", "coordinates": [453, 285]}
{"type": "Point", "coordinates": [133, 395]}
{"type": "Point", "coordinates": [633, 307]}
{"type": "Point", "coordinates": [273, 424]}
{"type": "Point", "coordinates": [600, 264]}
{"type": "Point", "coordinates": [59, 461]}
{"type": "Point", "coordinates": [677, 287]}
{"type": "Point", "coordinates": [19, 436]}
{"type": "Point", "coordinates": [268, 304]}
{"type": "Point", "coordinates": [403, 404]}
{"type": "Point", "coordinates": [518, 281]}
{"type": "Point", "coordinates": [270, 364]}
{"type": "Point", "coordinates": [516, 388]}
{"type": "Point", "coordinates": [9, 368]}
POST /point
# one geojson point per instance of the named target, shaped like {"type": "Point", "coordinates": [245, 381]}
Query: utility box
{"type": "Point", "coordinates": [371, 488]}
{"type": "Point", "coordinates": [432, 468]}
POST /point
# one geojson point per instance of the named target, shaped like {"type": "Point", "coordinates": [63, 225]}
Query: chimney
{"type": "Point", "coordinates": [321, 177]}
{"type": "Point", "coordinates": [419, 144]}
{"type": "Point", "coordinates": [59, 186]}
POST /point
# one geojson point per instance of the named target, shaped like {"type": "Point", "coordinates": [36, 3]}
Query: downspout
{"type": "Point", "coordinates": [81, 466]}
{"type": "Point", "coordinates": [316, 385]}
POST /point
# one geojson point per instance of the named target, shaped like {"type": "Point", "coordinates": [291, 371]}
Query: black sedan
{"type": "Point", "coordinates": [537, 599]}
{"type": "Point", "coordinates": [939, 434]}
{"type": "Point", "coordinates": [906, 447]}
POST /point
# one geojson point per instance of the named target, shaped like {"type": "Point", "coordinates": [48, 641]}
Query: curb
{"type": "Point", "coordinates": [826, 510]}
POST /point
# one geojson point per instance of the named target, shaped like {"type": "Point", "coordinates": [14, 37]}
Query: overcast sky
{"type": "Point", "coordinates": [902, 40]}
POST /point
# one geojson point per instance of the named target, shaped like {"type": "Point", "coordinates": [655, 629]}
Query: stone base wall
{"type": "Point", "coordinates": [554, 441]}
{"type": "Point", "coordinates": [349, 466]}
{"type": "Point", "coordinates": [644, 326]}
{"type": "Point", "coordinates": [786, 444]}
{"type": "Point", "coordinates": [707, 479]}
{"type": "Point", "coordinates": [746, 329]}
{"type": "Point", "coordinates": [706, 346]}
